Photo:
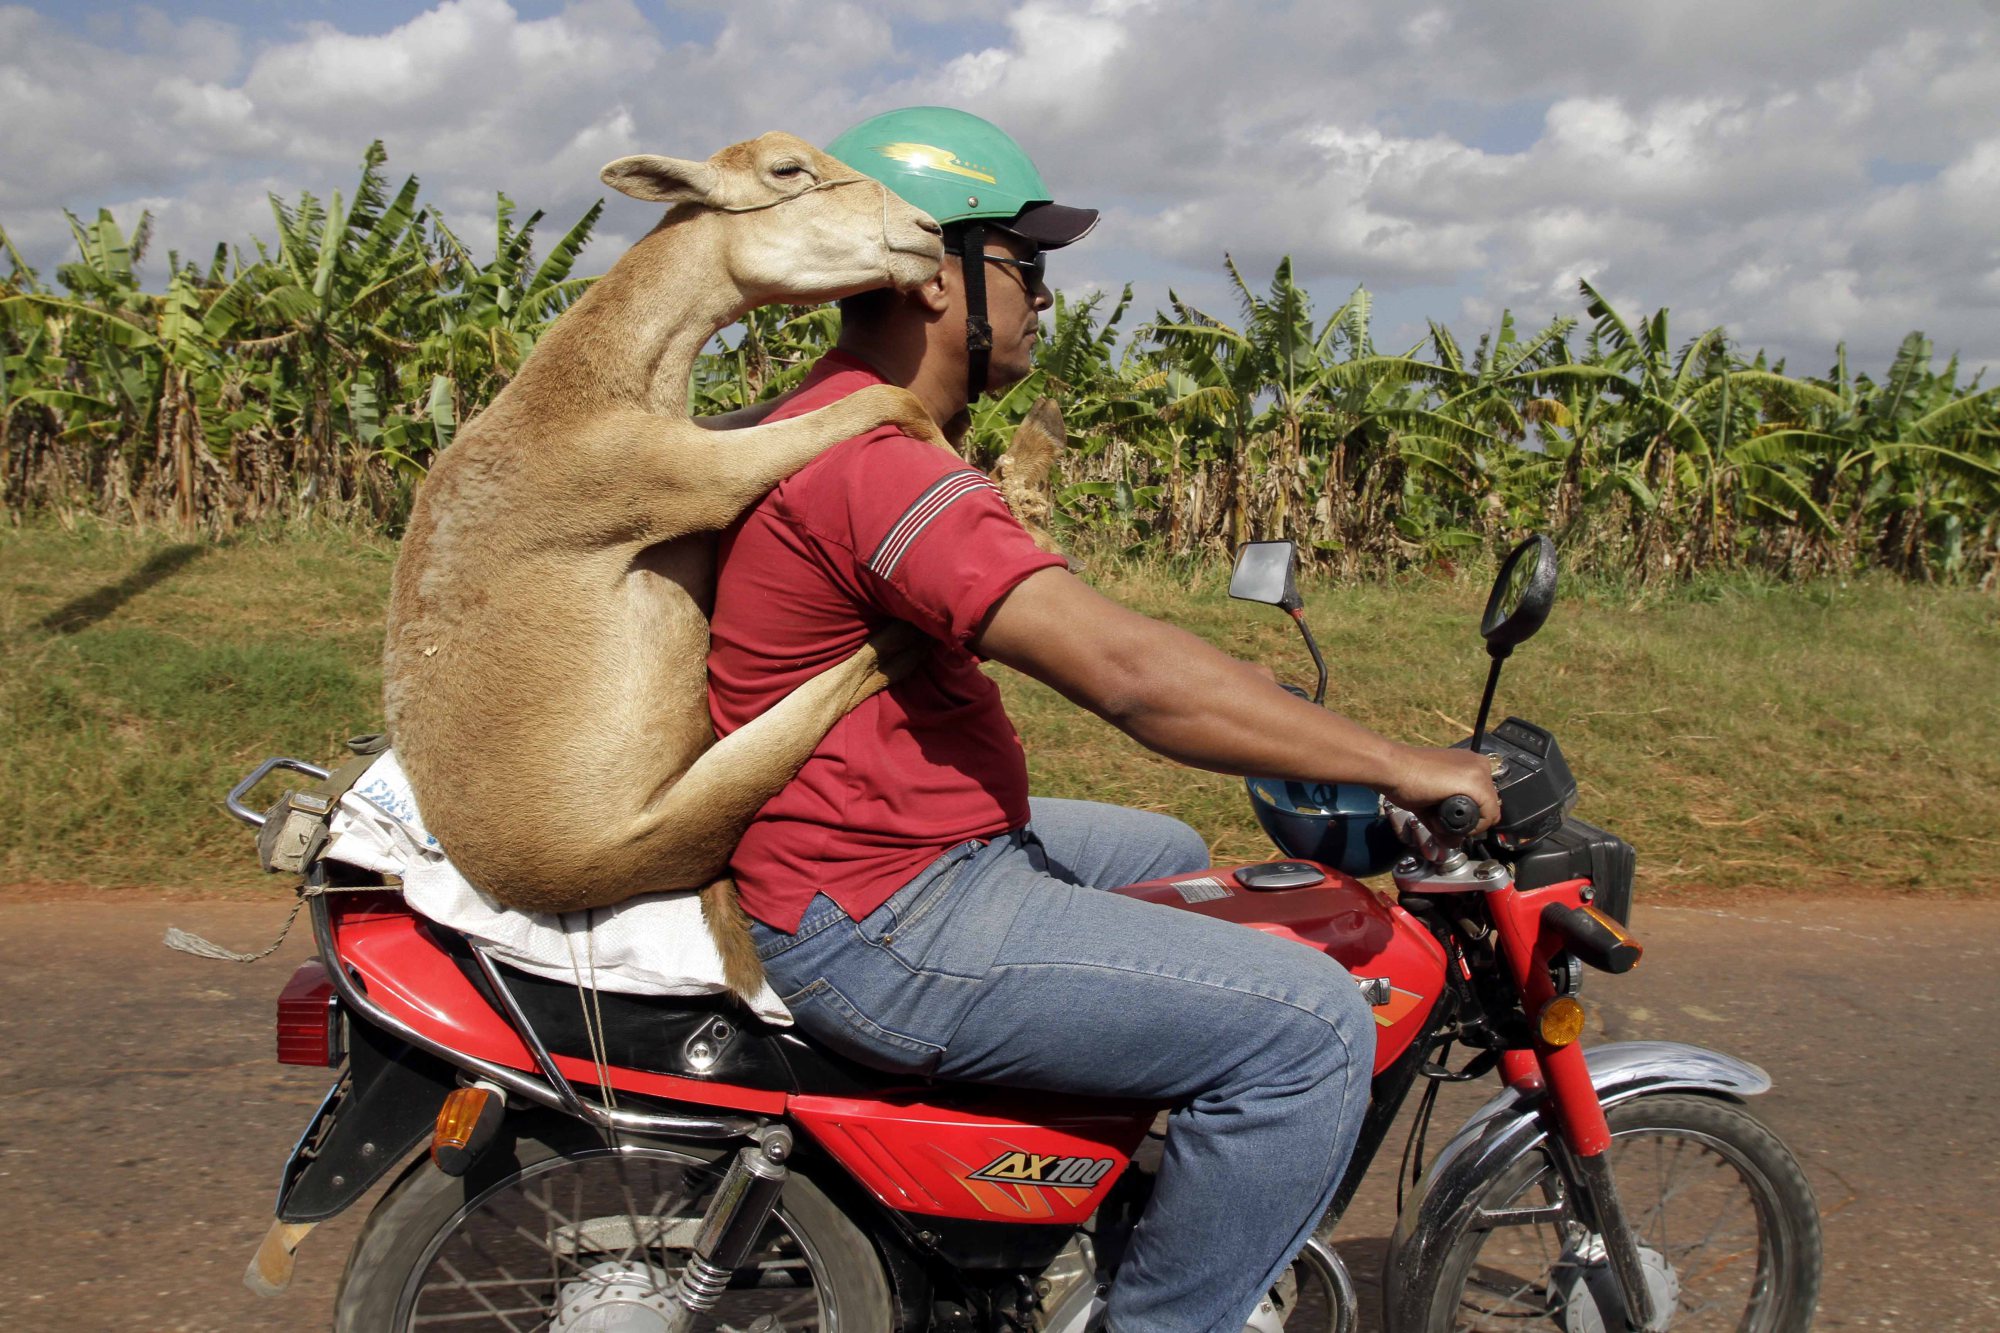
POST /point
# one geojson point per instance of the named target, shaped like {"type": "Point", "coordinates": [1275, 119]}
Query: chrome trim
{"type": "Point", "coordinates": [1510, 1126]}
{"type": "Point", "coordinates": [234, 801]}
{"type": "Point", "coordinates": [513, 1080]}
{"type": "Point", "coordinates": [1346, 1304]}
{"type": "Point", "coordinates": [511, 1009]}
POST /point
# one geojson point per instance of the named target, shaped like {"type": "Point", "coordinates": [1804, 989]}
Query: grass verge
{"type": "Point", "coordinates": [1744, 736]}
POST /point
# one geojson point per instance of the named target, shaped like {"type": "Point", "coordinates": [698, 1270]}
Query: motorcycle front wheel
{"type": "Point", "coordinates": [1727, 1226]}
{"type": "Point", "coordinates": [560, 1231]}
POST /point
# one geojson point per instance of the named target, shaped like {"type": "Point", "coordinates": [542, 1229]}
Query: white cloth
{"type": "Point", "coordinates": [656, 944]}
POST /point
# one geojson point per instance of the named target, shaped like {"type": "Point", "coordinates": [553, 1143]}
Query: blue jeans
{"type": "Point", "coordinates": [1002, 963]}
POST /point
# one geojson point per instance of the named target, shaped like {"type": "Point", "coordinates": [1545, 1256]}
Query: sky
{"type": "Point", "coordinates": [1801, 174]}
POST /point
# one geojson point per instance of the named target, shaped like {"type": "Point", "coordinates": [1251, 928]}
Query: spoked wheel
{"type": "Point", "coordinates": [1727, 1227]}
{"type": "Point", "coordinates": [566, 1234]}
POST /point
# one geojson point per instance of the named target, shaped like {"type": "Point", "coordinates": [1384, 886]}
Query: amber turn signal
{"type": "Point", "coordinates": [1561, 1022]}
{"type": "Point", "coordinates": [465, 1125]}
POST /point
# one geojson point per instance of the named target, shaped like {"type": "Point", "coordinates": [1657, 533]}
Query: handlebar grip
{"type": "Point", "coordinates": [1594, 937]}
{"type": "Point", "coordinates": [1458, 815]}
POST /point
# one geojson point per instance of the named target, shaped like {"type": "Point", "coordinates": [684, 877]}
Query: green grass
{"type": "Point", "coordinates": [1744, 736]}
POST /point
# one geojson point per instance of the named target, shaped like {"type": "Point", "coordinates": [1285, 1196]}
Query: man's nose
{"type": "Point", "coordinates": [1044, 298]}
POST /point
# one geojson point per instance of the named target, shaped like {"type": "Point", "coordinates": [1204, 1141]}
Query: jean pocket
{"type": "Point", "coordinates": [821, 914]}
{"type": "Point", "coordinates": [832, 1019]}
{"type": "Point", "coordinates": [907, 910]}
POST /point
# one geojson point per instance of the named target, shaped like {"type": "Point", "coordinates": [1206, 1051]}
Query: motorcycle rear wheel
{"type": "Point", "coordinates": [1705, 1187]}
{"type": "Point", "coordinates": [539, 1235]}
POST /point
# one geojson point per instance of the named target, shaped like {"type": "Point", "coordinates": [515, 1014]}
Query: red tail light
{"type": "Point", "coordinates": [309, 1019]}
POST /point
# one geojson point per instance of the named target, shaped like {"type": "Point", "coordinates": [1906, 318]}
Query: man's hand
{"type": "Point", "coordinates": [1427, 777]}
{"type": "Point", "coordinates": [1181, 697]}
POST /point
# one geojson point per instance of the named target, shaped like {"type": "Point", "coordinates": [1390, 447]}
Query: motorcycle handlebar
{"type": "Point", "coordinates": [1458, 815]}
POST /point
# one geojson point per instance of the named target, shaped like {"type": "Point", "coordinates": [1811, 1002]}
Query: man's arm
{"type": "Point", "coordinates": [1176, 694]}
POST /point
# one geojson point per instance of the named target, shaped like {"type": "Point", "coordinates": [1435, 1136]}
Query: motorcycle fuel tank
{"type": "Point", "coordinates": [1398, 963]}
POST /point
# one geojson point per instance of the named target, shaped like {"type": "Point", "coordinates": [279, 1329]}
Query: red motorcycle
{"type": "Point", "coordinates": [574, 1159]}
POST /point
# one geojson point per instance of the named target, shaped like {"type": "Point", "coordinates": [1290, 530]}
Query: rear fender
{"type": "Point", "coordinates": [1509, 1127]}
{"type": "Point", "coordinates": [374, 1118]}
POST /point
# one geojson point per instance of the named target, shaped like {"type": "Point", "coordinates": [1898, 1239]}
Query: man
{"type": "Point", "coordinates": [913, 907]}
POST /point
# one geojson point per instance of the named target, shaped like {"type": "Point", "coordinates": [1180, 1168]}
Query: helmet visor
{"type": "Point", "coordinates": [1052, 226]}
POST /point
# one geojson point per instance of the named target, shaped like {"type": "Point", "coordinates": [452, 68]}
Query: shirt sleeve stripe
{"type": "Point", "coordinates": [920, 515]}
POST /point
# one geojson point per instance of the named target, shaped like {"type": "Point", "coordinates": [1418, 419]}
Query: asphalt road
{"type": "Point", "coordinates": [143, 1122]}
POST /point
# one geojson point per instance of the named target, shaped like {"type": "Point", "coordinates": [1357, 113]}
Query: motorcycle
{"type": "Point", "coordinates": [577, 1159]}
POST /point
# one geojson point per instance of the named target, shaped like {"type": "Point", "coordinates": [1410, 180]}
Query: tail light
{"type": "Point", "coordinates": [309, 1019]}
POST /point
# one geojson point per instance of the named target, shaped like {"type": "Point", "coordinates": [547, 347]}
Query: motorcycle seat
{"type": "Point", "coordinates": [711, 1038]}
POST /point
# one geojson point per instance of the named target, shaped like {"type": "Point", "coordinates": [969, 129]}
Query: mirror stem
{"type": "Point", "coordinates": [1312, 646]}
{"type": "Point", "coordinates": [1486, 701]}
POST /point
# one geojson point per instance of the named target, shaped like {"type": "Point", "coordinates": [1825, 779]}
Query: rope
{"type": "Point", "coordinates": [585, 975]}
{"type": "Point", "coordinates": [786, 199]}
{"type": "Point", "coordinates": [186, 941]}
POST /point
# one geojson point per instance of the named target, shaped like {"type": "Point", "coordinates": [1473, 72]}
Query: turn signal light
{"type": "Point", "coordinates": [1561, 1022]}
{"type": "Point", "coordinates": [465, 1125]}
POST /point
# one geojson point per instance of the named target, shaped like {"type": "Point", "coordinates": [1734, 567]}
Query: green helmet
{"type": "Point", "coordinates": [968, 176]}
{"type": "Point", "coordinates": [959, 168]}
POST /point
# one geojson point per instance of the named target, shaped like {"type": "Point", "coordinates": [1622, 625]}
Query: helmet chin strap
{"type": "Point", "coordinates": [978, 330]}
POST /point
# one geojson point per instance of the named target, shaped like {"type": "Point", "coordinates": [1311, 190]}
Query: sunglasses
{"type": "Point", "coordinates": [1037, 268]}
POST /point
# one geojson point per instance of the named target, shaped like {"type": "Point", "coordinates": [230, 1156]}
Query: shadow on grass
{"type": "Point", "coordinates": [83, 612]}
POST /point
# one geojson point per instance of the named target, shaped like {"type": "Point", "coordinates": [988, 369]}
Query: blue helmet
{"type": "Point", "coordinates": [1339, 824]}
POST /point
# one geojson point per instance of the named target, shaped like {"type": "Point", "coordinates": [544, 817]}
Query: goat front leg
{"type": "Point", "coordinates": [723, 472]}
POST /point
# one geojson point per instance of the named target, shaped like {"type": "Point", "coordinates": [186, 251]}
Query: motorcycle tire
{"type": "Point", "coordinates": [492, 1215]}
{"type": "Point", "coordinates": [1690, 1152]}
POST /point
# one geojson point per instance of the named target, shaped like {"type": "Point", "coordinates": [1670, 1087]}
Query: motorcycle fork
{"type": "Point", "coordinates": [1581, 1144]}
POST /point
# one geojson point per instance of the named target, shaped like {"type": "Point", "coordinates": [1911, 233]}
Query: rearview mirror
{"type": "Point", "coordinates": [1264, 573]}
{"type": "Point", "coordinates": [1522, 594]}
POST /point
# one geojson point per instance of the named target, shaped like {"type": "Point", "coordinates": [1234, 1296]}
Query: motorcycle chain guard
{"type": "Point", "coordinates": [1512, 1125]}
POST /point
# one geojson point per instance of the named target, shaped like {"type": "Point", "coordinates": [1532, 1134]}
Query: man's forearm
{"type": "Point", "coordinates": [1175, 693]}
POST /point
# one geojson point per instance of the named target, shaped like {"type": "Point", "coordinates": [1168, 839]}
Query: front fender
{"type": "Point", "coordinates": [1510, 1126]}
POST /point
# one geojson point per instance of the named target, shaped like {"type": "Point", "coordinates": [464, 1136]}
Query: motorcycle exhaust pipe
{"type": "Point", "coordinates": [729, 1229]}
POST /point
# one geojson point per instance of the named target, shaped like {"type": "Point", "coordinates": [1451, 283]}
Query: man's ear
{"type": "Point", "coordinates": [661, 180]}
{"type": "Point", "coordinates": [935, 291]}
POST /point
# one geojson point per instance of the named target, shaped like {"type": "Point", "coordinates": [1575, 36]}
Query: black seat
{"type": "Point", "coordinates": [711, 1038]}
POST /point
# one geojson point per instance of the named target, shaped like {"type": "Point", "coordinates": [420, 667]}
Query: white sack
{"type": "Point", "coordinates": [656, 944]}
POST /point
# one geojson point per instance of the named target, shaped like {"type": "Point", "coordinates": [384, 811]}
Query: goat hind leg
{"type": "Point", "coordinates": [688, 830]}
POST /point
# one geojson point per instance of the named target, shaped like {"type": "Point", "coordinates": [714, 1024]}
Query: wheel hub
{"type": "Point", "coordinates": [616, 1298]}
{"type": "Point", "coordinates": [1583, 1287]}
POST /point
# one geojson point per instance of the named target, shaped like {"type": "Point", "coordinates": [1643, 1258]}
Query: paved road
{"type": "Point", "coordinates": [142, 1121]}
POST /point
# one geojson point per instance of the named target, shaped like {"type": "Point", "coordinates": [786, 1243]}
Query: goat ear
{"type": "Point", "coordinates": [662, 180]}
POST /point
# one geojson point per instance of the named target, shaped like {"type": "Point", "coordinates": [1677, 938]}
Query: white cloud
{"type": "Point", "coordinates": [1717, 155]}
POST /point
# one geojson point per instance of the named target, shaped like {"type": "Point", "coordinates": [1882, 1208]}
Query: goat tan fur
{"type": "Point", "coordinates": [545, 668]}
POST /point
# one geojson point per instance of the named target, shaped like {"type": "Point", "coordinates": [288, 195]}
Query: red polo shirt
{"type": "Point", "coordinates": [879, 528]}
